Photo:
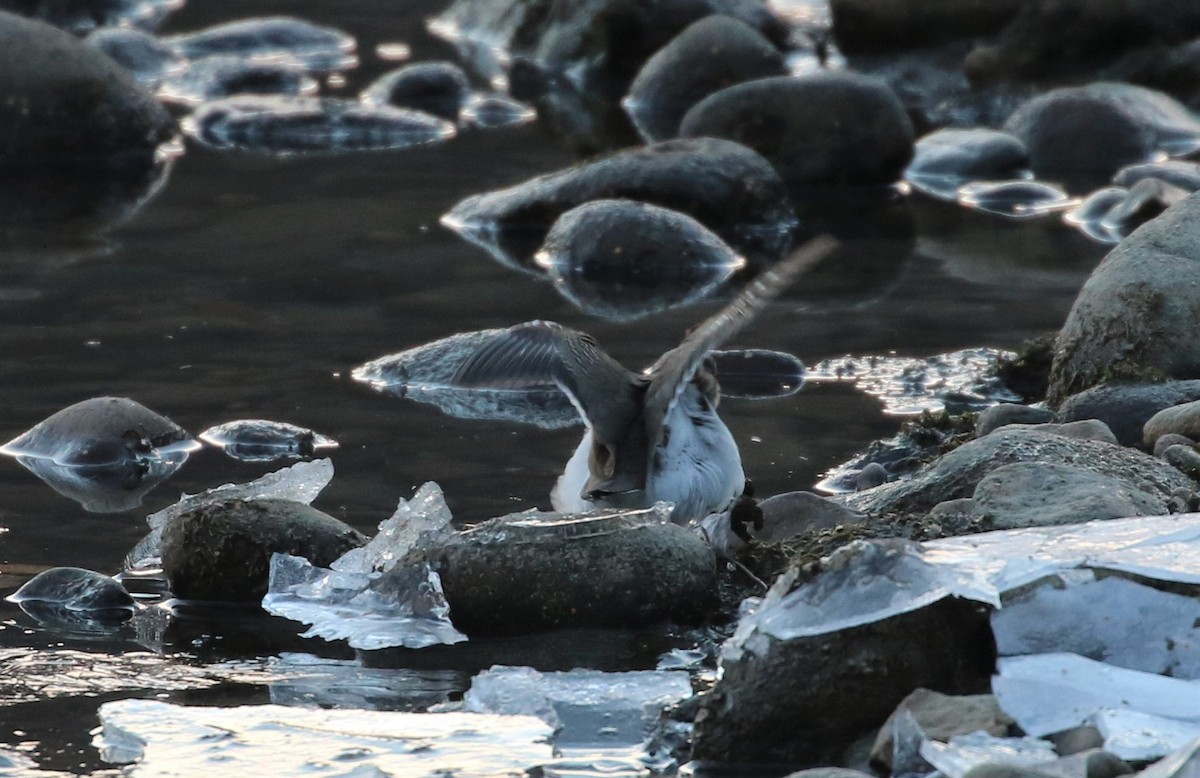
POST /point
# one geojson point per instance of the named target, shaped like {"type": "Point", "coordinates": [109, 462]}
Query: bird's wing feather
{"type": "Point", "coordinates": [542, 352]}
{"type": "Point", "coordinates": [673, 371]}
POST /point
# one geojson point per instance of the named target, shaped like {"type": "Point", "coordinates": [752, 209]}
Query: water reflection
{"type": "Point", "coordinates": [260, 440]}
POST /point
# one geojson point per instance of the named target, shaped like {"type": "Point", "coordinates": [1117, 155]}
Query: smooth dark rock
{"type": "Point", "coordinates": [439, 88]}
{"type": "Point", "coordinates": [871, 476]}
{"type": "Point", "coordinates": [828, 129]}
{"type": "Point", "coordinates": [1170, 439]}
{"type": "Point", "coordinates": [956, 474]}
{"type": "Point", "coordinates": [1076, 740]}
{"type": "Point", "coordinates": [789, 514]}
{"type": "Point", "coordinates": [942, 716]}
{"type": "Point", "coordinates": [803, 701]}
{"type": "Point", "coordinates": [65, 101]}
{"type": "Point", "coordinates": [959, 156]}
{"type": "Point", "coordinates": [1185, 459]}
{"type": "Point", "coordinates": [97, 431]}
{"type": "Point", "coordinates": [728, 188]}
{"type": "Point", "coordinates": [222, 551]}
{"type": "Point", "coordinates": [1185, 175]}
{"type": "Point", "coordinates": [1095, 763]}
{"type": "Point", "coordinates": [887, 25]}
{"type": "Point", "coordinates": [1135, 314]}
{"type": "Point", "coordinates": [710, 55]}
{"type": "Point", "coordinates": [1182, 419]}
{"type": "Point", "coordinates": [500, 581]}
{"type": "Point", "coordinates": [1127, 408]}
{"type": "Point", "coordinates": [1010, 413]}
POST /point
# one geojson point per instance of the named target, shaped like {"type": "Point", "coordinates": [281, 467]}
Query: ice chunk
{"type": "Point", "coordinates": [420, 520]}
{"type": "Point", "coordinates": [1061, 615]}
{"type": "Point", "coordinates": [1047, 693]}
{"type": "Point", "coordinates": [276, 740]}
{"type": "Point", "coordinates": [907, 738]}
{"type": "Point", "coordinates": [260, 440]}
{"type": "Point", "coordinates": [963, 752]}
{"type": "Point", "coordinates": [1138, 737]}
{"type": "Point", "coordinates": [424, 374]}
{"type": "Point", "coordinates": [301, 482]}
{"type": "Point", "coordinates": [402, 607]}
{"type": "Point", "coordinates": [585, 706]}
{"type": "Point", "coordinates": [276, 37]}
{"type": "Point", "coordinates": [1183, 763]}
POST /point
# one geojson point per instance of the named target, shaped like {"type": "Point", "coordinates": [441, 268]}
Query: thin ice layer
{"type": "Point", "coordinates": [423, 519]}
{"type": "Point", "coordinates": [964, 752]}
{"type": "Point", "coordinates": [277, 740]}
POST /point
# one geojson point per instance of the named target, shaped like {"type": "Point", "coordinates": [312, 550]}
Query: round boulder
{"type": "Point", "coordinates": [65, 100]}
{"type": "Point", "coordinates": [823, 130]}
{"type": "Point", "coordinates": [1126, 408]}
{"type": "Point", "coordinates": [222, 551]}
{"type": "Point", "coordinates": [1135, 314]}
{"type": "Point", "coordinates": [712, 54]}
{"type": "Point", "coordinates": [1179, 419]}
{"type": "Point", "coordinates": [515, 575]}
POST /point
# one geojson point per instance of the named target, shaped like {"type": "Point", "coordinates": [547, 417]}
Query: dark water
{"type": "Point", "coordinates": [250, 286]}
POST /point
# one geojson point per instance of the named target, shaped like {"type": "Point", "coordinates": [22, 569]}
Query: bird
{"type": "Point", "coordinates": [651, 436]}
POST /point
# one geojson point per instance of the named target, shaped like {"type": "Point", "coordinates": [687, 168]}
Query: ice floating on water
{"type": "Point", "coordinates": [216, 78]}
{"type": "Point", "coordinates": [74, 589]}
{"type": "Point", "coordinates": [278, 37]}
{"type": "Point", "coordinates": [1017, 199]}
{"type": "Point", "coordinates": [957, 381]}
{"type": "Point", "coordinates": [424, 374]}
{"type": "Point", "coordinates": [259, 440]}
{"type": "Point", "coordinates": [148, 58]}
{"type": "Point", "coordinates": [301, 482]}
{"type": "Point", "coordinates": [585, 706]}
{"type": "Point", "coordinates": [274, 740]}
{"type": "Point", "coordinates": [492, 111]}
{"type": "Point", "coordinates": [105, 453]}
{"type": "Point", "coordinates": [963, 752]}
{"type": "Point", "coordinates": [420, 521]}
{"type": "Point", "coordinates": [296, 125]}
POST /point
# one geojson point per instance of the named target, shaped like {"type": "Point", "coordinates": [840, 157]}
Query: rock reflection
{"type": "Point", "coordinates": [105, 453]}
{"type": "Point", "coordinates": [757, 374]}
{"type": "Point", "coordinates": [215, 78]}
{"type": "Point", "coordinates": [1017, 199]}
{"type": "Point", "coordinates": [260, 440]}
{"type": "Point", "coordinates": [321, 49]}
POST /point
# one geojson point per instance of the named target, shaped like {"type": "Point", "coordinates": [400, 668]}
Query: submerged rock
{"type": "Point", "coordinates": [823, 130]}
{"type": "Point", "coordinates": [624, 259]}
{"type": "Point", "coordinates": [528, 572]}
{"type": "Point", "coordinates": [222, 550]}
{"type": "Point", "coordinates": [1183, 419]}
{"type": "Point", "coordinates": [1134, 315]}
{"type": "Point", "coordinates": [1127, 408]}
{"type": "Point", "coordinates": [493, 111]}
{"type": "Point", "coordinates": [438, 88]}
{"type": "Point", "coordinates": [298, 125]}
{"type": "Point", "coordinates": [792, 513]}
{"type": "Point", "coordinates": [728, 188]}
{"type": "Point", "coordinates": [714, 53]}
{"type": "Point", "coordinates": [65, 100]}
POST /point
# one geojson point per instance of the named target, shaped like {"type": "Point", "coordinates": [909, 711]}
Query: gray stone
{"type": "Point", "coordinates": [1135, 313]}
{"type": "Point", "coordinates": [942, 716]}
{"type": "Point", "coordinates": [1093, 762]}
{"type": "Point", "coordinates": [222, 551]}
{"type": "Point", "coordinates": [1182, 419]}
{"type": "Point", "coordinates": [1040, 494]}
{"type": "Point", "coordinates": [1076, 740]}
{"type": "Point", "coordinates": [500, 581]}
{"type": "Point", "coordinates": [1126, 408]}
{"type": "Point", "coordinates": [872, 475]}
{"type": "Point", "coordinates": [957, 473]}
{"type": "Point", "coordinates": [1008, 771]}
{"type": "Point", "coordinates": [787, 515]}
{"type": "Point", "coordinates": [1185, 459]}
{"type": "Point", "coordinates": [1084, 429]}
{"type": "Point", "coordinates": [1081, 136]}
{"type": "Point", "coordinates": [967, 155]}
{"type": "Point", "coordinates": [65, 100]}
{"type": "Point", "coordinates": [439, 88]}
{"type": "Point", "coordinates": [822, 130]}
{"type": "Point", "coordinates": [803, 701]}
{"type": "Point", "coordinates": [963, 506]}
{"type": "Point", "coordinates": [1170, 439]}
{"type": "Point", "coordinates": [714, 53]}
{"type": "Point", "coordinates": [885, 25]}
{"type": "Point", "coordinates": [725, 186]}
{"type": "Point", "coordinates": [1010, 413]}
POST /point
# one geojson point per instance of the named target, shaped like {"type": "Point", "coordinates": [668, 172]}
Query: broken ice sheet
{"type": "Point", "coordinates": [301, 482]}
{"type": "Point", "coordinates": [424, 374]}
{"type": "Point", "coordinates": [1138, 737]}
{"type": "Point", "coordinates": [260, 440]}
{"type": "Point", "coordinates": [585, 706]}
{"type": "Point", "coordinates": [963, 752]}
{"type": "Point", "coordinates": [277, 740]}
{"type": "Point", "coordinates": [424, 518]}
{"type": "Point", "coordinates": [402, 607]}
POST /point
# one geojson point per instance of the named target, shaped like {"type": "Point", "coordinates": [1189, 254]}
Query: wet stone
{"type": "Point", "coordinates": [942, 716]}
{"type": "Point", "coordinates": [1185, 459]}
{"type": "Point", "coordinates": [438, 88]}
{"type": "Point", "coordinates": [260, 440]}
{"type": "Point", "coordinates": [945, 160]}
{"type": "Point", "coordinates": [494, 111]}
{"type": "Point", "coordinates": [1076, 739]}
{"type": "Point", "coordinates": [1010, 413]}
{"type": "Point", "coordinates": [298, 125]}
{"type": "Point", "coordinates": [75, 589]}
{"type": "Point", "coordinates": [1017, 199]}
{"type": "Point", "coordinates": [872, 475]}
{"type": "Point", "coordinates": [714, 53]}
{"type": "Point", "coordinates": [823, 130]}
{"type": "Point", "coordinates": [148, 58]}
{"type": "Point", "coordinates": [221, 551]}
{"type": "Point", "coordinates": [1185, 175]}
{"type": "Point", "coordinates": [728, 188]}
{"type": "Point", "coordinates": [1089, 215]}
{"type": "Point", "coordinates": [624, 259]}
{"type": "Point", "coordinates": [319, 48]}
{"type": "Point", "coordinates": [790, 514]}
{"type": "Point", "coordinates": [1144, 201]}
{"type": "Point", "coordinates": [215, 78]}
{"type": "Point", "coordinates": [1170, 439]}
{"type": "Point", "coordinates": [1182, 419]}
{"type": "Point", "coordinates": [81, 16]}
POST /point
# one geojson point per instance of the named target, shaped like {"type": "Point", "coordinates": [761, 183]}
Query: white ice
{"type": "Point", "coordinates": [963, 752]}
{"type": "Point", "coordinates": [424, 518]}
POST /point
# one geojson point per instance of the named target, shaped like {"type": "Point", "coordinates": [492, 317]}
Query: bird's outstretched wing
{"type": "Point", "coordinates": [607, 395]}
{"type": "Point", "coordinates": [671, 373]}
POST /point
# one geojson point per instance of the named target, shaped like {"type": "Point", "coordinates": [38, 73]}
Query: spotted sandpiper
{"type": "Point", "coordinates": [650, 436]}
